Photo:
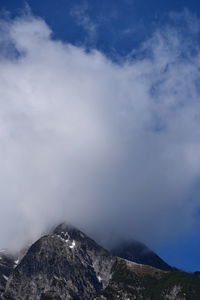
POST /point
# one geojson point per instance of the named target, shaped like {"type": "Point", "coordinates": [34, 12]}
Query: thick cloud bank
{"type": "Point", "coordinates": [112, 148]}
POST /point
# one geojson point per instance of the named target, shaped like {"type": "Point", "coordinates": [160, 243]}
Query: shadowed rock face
{"type": "Point", "coordinates": [139, 253]}
{"type": "Point", "coordinates": [67, 264]}
{"type": "Point", "coordinates": [7, 264]}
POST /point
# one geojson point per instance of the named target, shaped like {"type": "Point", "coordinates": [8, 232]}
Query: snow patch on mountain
{"type": "Point", "coordinates": [72, 245]}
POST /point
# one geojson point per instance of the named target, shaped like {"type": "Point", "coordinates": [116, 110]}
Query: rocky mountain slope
{"type": "Point", "coordinates": [7, 264]}
{"type": "Point", "coordinates": [67, 264]}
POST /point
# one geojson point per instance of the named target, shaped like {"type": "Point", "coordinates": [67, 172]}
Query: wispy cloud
{"type": "Point", "coordinates": [82, 18]}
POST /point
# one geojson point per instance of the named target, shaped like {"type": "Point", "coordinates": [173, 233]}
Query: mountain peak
{"type": "Point", "coordinates": [67, 260]}
{"type": "Point", "coordinates": [138, 252]}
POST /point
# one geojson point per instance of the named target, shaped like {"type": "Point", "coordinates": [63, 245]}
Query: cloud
{"type": "Point", "coordinates": [80, 13]}
{"type": "Point", "coordinates": [112, 148]}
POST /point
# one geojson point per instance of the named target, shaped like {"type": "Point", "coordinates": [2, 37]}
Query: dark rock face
{"type": "Point", "coordinates": [7, 264]}
{"type": "Point", "coordinates": [68, 265]}
{"type": "Point", "coordinates": [63, 264]}
{"type": "Point", "coordinates": [139, 253]}
{"type": "Point", "coordinates": [197, 273]}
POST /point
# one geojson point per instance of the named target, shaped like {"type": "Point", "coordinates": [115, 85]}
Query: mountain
{"type": "Point", "coordinates": [67, 264]}
{"type": "Point", "coordinates": [141, 254]}
{"type": "Point", "coordinates": [134, 281]}
{"type": "Point", "coordinates": [7, 264]}
{"type": "Point", "coordinates": [64, 264]}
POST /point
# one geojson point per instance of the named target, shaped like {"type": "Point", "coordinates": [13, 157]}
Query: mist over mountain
{"type": "Point", "coordinates": [67, 264]}
{"type": "Point", "coordinates": [96, 142]}
{"type": "Point", "coordinates": [137, 252]}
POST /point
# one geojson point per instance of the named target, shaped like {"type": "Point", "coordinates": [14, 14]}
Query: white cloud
{"type": "Point", "coordinates": [113, 149]}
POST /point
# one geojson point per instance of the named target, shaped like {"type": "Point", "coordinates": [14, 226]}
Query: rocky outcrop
{"type": "Point", "coordinates": [63, 264]}
{"type": "Point", "coordinates": [7, 264]}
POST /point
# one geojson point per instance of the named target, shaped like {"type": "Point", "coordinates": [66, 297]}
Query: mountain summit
{"type": "Point", "coordinates": [141, 254]}
{"type": "Point", "coordinates": [67, 264]}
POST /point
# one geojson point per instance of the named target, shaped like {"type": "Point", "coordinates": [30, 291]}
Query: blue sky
{"type": "Point", "coordinates": [118, 28]}
{"type": "Point", "coordinates": [119, 25]}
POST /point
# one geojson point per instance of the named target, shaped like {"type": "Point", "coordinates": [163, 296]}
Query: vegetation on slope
{"type": "Point", "coordinates": [156, 285]}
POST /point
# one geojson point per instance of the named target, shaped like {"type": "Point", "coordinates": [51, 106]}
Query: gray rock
{"type": "Point", "coordinates": [65, 264]}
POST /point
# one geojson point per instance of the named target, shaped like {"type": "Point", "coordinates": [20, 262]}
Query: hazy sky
{"type": "Point", "coordinates": [100, 118]}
